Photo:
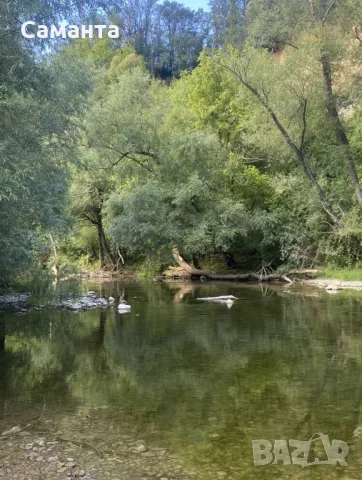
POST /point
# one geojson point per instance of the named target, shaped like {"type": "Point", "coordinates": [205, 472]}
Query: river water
{"type": "Point", "coordinates": [202, 379]}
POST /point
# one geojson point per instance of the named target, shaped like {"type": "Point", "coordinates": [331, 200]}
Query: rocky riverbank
{"type": "Point", "coordinates": [333, 284]}
{"type": "Point", "coordinates": [84, 447]}
{"type": "Point", "coordinates": [23, 302]}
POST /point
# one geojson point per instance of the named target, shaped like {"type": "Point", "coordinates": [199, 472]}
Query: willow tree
{"type": "Point", "coordinates": [333, 29]}
{"type": "Point", "coordinates": [35, 138]}
{"type": "Point", "coordinates": [286, 92]}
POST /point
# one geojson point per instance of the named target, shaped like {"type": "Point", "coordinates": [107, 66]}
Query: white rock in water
{"type": "Point", "coordinates": [111, 299]}
{"type": "Point", "coordinates": [123, 307]}
{"type": "Point", "coordinates": [334, 288]}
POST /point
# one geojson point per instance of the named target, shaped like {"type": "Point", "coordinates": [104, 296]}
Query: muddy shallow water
{"type": "Point", "coordinates": [177, 388]}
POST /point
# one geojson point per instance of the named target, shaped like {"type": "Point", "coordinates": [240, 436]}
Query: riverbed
{"type": "Point", "coordinates": [178, 389]}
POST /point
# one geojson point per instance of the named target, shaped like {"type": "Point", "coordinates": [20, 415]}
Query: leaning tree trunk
{"type": "Point", "coordinates": [3, 379]}
{"type": "Point", "coordinates": [2, 335]}
{"type": "Point", "coordinates": [104, 249]}
{"type": "Point", "coordinates": [331, 105]}
{"type": "Point", "coordinates": [102, 257]}
{"type": "Point", "coordinates": [190, 268]}
{"type": "Point", "coordinates": [339, 129]}
{"type": "Point", "coordinates": [299, 150]}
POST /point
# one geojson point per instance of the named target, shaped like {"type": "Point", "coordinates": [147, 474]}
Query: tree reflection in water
{"type": "Point", "coordinates": [208, 380]}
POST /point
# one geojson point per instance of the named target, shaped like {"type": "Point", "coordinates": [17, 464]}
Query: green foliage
{"type": "Point", "coordinates": [38, 281]}
{"type": "Point", "coordinates": [149, 267]}
{"type": "Point", "coordinates": [274, 24]}
{"type": "Point", "coordinates": [98, 52]}
{"type": "Point", "coordinates": [35, 153]}
{"type": "Point", "coordinates": [215, 99]}
{"type": "Point", "coordinates": [125, 61]}
{"type": "Point", "coordinates": [349, 275]}
{"type": "Point", "coordinates": [228, 21]}
{"type": "Point", "coordinates": [179, 39]}
{"type": "Point", "coordinates": [249, 157]}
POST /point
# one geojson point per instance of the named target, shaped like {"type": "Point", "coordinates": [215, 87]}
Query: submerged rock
{"type": "Point", "coordinates": [80, 303]}
{"type": "Point", "coordinates": [53, 459]}
{"type": "Point", "coordinates": [333, 288]}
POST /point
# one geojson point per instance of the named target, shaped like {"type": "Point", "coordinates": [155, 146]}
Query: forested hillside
{"type": "Point", "coordinates": [233, 135]}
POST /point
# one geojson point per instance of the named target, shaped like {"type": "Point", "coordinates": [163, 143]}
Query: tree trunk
{"type": "Point", "coordinates": [3, 366]}
{"type": "Point", "coordinates": [190, 268]}
{"type": "Point", "coordinates": [339, 130]}
{"type": "Point", "coordinates": [298, 150]}
{"type": "Point", "coordinates": [102, 259]}
{"type": "Point", "coordinates": [332, 110]}
{"type": "Point", "coordinates": [322, 196]}
{"type": "Point", "coordinates": [55, 253]}
{"type": "Point", "coordinates": [104, 249]}
{"type": "Point", "coordinates": [2, 334]}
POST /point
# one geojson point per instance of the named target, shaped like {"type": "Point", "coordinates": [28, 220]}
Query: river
{"type": "Point", "coordinates": [200, 380]}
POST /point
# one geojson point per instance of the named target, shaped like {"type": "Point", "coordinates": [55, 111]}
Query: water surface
{"type": "Point", "coordinates": [202, 379]}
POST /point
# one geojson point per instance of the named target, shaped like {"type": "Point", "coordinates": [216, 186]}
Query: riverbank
{"type": "Point", "coordinates": [333, 284]}
{"type": "Point", "coordinates": [87, 446]}
{"type": "Point", "coordinates": [337, 279]}
{"type": "Point", "coordinates": [100, 276]}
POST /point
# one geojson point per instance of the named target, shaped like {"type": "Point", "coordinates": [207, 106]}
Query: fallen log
{"type": "Point", "coordinates": [304, 272]}
{"type": "Point", "coordinates": [270, 277]}
{"type": "Point", "coordinates": [241, 277]}
{"type": "Point", "coordinates": [186, 270]}
{"type": "Point", "coordinates": [221, 298]}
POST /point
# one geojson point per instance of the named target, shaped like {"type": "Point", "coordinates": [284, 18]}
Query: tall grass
{"type": "Point", "coordinates": [353, 274]}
